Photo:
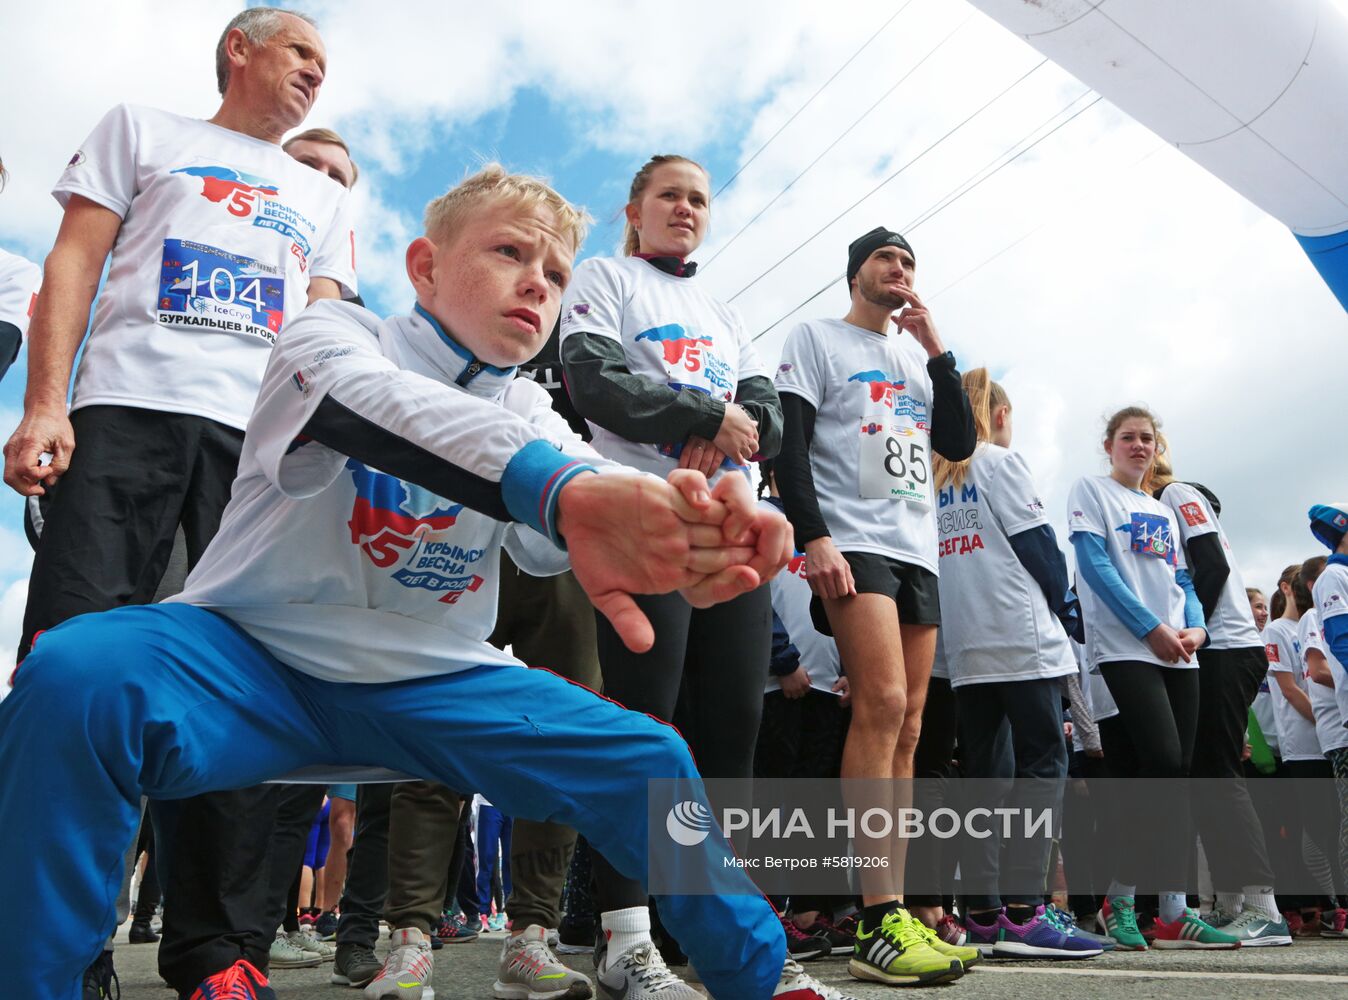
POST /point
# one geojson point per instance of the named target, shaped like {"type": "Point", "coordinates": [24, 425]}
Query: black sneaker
{"type": "Point", "coordinates": [801, 946]}
{"type": "Point", "coordinates": [100, 979]}
{"type": "Point", "coordinates": [354, 965]}
{"type": "Point", "coordinates": [141, 933]}
{"type": "Point", "coordinates": [575, 937]}
{"type": "Point", "coordinates": [326, 926]}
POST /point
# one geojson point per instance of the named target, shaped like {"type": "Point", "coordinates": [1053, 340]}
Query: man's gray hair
{"type": "Point", "coordinates": [258, 24]}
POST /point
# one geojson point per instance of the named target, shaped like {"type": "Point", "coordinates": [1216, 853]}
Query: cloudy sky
{"type": "Point", "coordinates": [1098, 269]}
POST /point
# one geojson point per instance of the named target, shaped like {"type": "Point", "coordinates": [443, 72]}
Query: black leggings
{"type": "Point", "coordinates": [1158, 720]}
{"type": "Point", "coordinates": [706, 674]}
{"type": "Point", "coordinates": [930, 859]}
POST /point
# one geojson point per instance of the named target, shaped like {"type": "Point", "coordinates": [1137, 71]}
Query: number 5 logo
{"type": "Point", "coordinates": [241, 203]}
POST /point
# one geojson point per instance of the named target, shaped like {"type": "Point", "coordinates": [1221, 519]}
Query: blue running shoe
{"type": "Point", "coordinates": [1036, 938]}
{"type": "Point", "coordinates": [1065, 920]}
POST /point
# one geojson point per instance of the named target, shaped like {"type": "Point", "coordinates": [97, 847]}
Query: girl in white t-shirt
{"type": "Point", "coordinates": [1007, 607]}
{"type": "Point", "coordinates": [667, 378]}
{"type": "Point", "coordinates": [1300, 708]}
{"type": "Point", "coordinates": [1143, 626]}
{"type": "Point", "coordinates": [1231, 668]}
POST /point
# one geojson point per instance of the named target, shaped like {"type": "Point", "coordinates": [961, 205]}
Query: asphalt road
{"type": "Point", "coordinates": [1311, 968]}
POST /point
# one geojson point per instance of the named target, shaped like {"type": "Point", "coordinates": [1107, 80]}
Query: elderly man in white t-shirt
{"type": "Point", "coordinates": [217, 238]}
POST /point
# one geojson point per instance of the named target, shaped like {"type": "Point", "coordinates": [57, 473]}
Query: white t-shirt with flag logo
{"type": "Point", "coordinates": [1325, 702]}
{"type": "Point", "coordinates": [672, 332]}
{"type": "Point", "coordinates": [351, 574]}
{"type": "Point", "coordinates": [871, 453]}
{"type": "Point", "coordinates": [1331, 601]}
{"type": "Point", "coordinates": [1231, 625]}
{"type": "Point", "coordinates": [996, 623]}
{"type": "Point", "coordinates": [1297, 739]}
{"type": "Point", "coordinates": [1143, 544]}
{"type": "Point", "coordinates": [221, 234]}
{"type": "Point", "coordinates": [791, 600]}
{"type": "Point", "coordinates": [20, 279]}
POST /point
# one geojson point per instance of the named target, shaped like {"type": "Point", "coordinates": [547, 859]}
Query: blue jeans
{"type": "Point", "coordinates": [172, 701]}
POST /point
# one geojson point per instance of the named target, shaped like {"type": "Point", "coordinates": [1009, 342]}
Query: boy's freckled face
{"type": "Point", "coordinates": [496, 284]}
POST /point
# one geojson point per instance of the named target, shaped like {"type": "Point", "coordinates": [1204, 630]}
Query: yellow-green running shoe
{"type": "Point", "coordinates": [896, 953]}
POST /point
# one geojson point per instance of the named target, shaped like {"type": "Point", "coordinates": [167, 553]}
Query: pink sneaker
{"type": "Point", "coordinates": [948, 929]}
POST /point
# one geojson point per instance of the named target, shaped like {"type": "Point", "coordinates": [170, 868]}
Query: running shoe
{"type": "Point", "coordinates": [1256, 929]}
{"type": "Point", "coordinates": [968, 957]}
{"type": "Point", "coordinates": [841, 936]}
{"type": "Point", "coordinates": [1189, 931]}
{"type": "Point", "coordinates": [640, 974]}
{"type": "Point", "coordinates": [530, 971]}
{"type": "Point", "coordinates": [1119, 920]}
{"type": "Point", "coordinates": [897, 953]}
{"type": "Point", "coordinates": [1038, 937]}
{"type": "Point", "coordinates": [496, 922]}
{"type": "Point", "coordinates": [575, 937]}
{"type": "Point", "coordinates": [354, 965]}
{"type": "Point", "coordinates": [1334, 923]}
{"type": "Point", "coordinates": [100, 979]}
{"type": "Point", "coordinates": [1293, 918]}
{"type": "Point", "coordinates": [309, 916]}
{"type": "Point", "coordinates": [951, 931]}
{"type": "Point", "coordinates": [285, 955]}
{"type": "Point", "coordinates": [241, 981]}
{"type": "Point", "coordinates": [406, 974]}
{"type": "Point", "coordinates": [1217, 917]}
{"type": "Point", "coordinates": [1310, 923]}
{"type": "Point", "coordinates": [796, 985]}
{"type": "Point", "coordinates": [306, 940]}
{"type": "Point", "coordinates": [1066, 920]}
{"type": "Point", "coordinates": [803, 946]}
{"type": "Point", "coordinates": [454, 929]}
{"type": "Point", "coordinates": [326, 926]}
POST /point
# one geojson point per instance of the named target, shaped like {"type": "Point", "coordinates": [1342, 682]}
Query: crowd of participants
{"type": "Point", "coordinates": [375, 510]}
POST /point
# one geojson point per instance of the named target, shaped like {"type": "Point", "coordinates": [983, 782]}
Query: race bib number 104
{"type": "Point", "coordinates": [212, 289]}
{"type": "Point", "coordinates": [895, 461]}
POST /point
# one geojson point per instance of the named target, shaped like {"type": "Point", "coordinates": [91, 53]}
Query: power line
{"type": "Point", "coordinates": [842, 135]}
{"type": "Point", "coordinates": [821, 89]}
{"type": "Point", "coordinates": [1025, 236]}
{"type": "Point", "coordinates": [1005, 90]}
{"type": "Point", "coordinates": [929, 214]}
{"type": "Point", "coordinates": [992, 166]}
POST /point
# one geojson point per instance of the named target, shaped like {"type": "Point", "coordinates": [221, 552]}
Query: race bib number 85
{"type": "Point", "coordinates": [212, 289]}
{"type": "Point", "coordinates": [895, 462]}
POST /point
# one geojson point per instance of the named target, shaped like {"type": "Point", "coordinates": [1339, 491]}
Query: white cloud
{"type": "Point", "coordinates": [1135, 279]}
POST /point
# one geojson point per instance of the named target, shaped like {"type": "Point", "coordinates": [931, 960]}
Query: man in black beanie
{"type": "Point", "coordinates": [865, 404]}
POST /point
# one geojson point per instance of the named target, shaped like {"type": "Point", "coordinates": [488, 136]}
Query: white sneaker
{"type": "Point", "coordinates": [799, 986]}
{"type": "Point", "coordinates": [641, 974]}
{"type": "Point", "coordinates": [530, 971]}
{"type": "Point", "coordinates": [305, 939]}
{"type": "Point", "coordinates": [406, 974]}
{"type": "Point", "coordinates": [285, 955]}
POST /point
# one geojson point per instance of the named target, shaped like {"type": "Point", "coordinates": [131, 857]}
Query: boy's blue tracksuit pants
{"type": "Point", "coordinates": [170, 700]}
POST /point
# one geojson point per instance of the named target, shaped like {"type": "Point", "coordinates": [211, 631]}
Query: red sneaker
{"type": "Point", "coordinates": [1334, 923]}
{"type": "Point", "coordinates": [241, 981]}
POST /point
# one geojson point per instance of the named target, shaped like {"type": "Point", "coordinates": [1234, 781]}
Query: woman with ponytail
{"type": "Point", "coordinates": [1231, 667]}
{"type": "Point", "coordinates": [1007, 613]}
{"type": "Point", "coordinates": [667, 378]}
{"type": "Point", "coordinates": [1143, 625]}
